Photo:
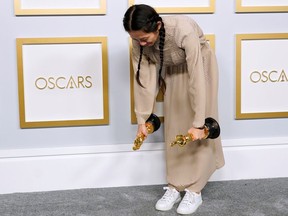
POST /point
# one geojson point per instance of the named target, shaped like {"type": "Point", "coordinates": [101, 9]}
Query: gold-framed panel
{"type": "Point", "coordinates": [20, 42]}
{"type": "Point", "coordinates": [160, 97]}
{"type": "Point", "coordinates": [259, 9]}
{"type": "Point", "coordinates": [188, 9]}
{"type": "Point", "coordinates": [20, 11]}
{"type": "Point", "coordinates": [249, 37]}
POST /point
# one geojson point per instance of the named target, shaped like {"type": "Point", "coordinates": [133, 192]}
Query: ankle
{"type": "Point", "coordinates": [193, 192]}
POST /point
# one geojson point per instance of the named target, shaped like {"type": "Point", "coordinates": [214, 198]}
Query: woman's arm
{"type": "Point", "coordinates": [144, 98]}
{"type": "Point", "coordinates": [196, 82]}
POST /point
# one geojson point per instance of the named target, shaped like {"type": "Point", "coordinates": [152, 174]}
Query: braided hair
{"type": "Point", "coordinates": [145, 18]}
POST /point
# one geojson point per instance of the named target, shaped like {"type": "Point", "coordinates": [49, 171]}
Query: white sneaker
{"type": "Point", "coordinates": [167, 201]}
{"type": "Point", "coordinates": [190, 202]}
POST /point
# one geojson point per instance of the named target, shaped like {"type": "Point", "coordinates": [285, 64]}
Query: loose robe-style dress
{"type": "Point", "coordinates": [191, 76]}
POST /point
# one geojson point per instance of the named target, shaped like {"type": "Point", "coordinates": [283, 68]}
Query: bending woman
{"type": "Point", "coordinates": [172, 54]}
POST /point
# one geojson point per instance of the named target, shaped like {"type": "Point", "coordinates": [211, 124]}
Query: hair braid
{"type": "Point", "coordinates": [161, 81]}
{"type": "Point", "coordinates": [145, 18]}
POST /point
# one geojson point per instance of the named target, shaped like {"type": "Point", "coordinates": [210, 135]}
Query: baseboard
{"type": "Point", "coordinates": [33, 170]}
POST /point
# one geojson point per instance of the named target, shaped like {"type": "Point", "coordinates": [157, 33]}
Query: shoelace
{"type": "Point", "coordinates": [168, 194]}
{"type": "Point", "coordinates": [188, 198]}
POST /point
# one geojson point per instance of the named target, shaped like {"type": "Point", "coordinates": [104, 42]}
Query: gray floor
{"type": "Point", "coordinates": [266, 197]}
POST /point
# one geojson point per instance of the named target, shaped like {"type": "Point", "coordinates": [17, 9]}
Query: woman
{"type": "Point", "coordinates": [172, 54]}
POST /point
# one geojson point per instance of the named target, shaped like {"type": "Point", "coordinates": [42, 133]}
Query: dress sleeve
{"type": "Point", "coordinates": [144, 98]}
{"type": "Point", "coordinates": [197, 90]}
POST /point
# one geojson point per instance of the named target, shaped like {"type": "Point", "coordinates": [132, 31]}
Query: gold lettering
{"type": "Point", "coordinates": [61, 82]}
{"type": "Point", "coordinates": [57, 84]}
{"type": "Point", "coordinates": [88, 80]}
{"type": "Point", "coordinates": [80, 81]}
{"type": "Point", "coordinates": [283, 77]}
{"type": "Point", "coordinates": [71, 82]}
{"type": "Point", "coordinates": [264, 75]}
{"type": "Point", "coordinates": [275, 80]}
{"type": "Point", "coordinates": [256, 73]}
{"type": "Point", "coordinates": [51, 81]}
{"type": "Point", "coordinates": [37, 83]}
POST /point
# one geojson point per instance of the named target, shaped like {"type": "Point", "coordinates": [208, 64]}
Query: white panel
{"type": "Point", "coordinates": [64, 172]}
{"type": "Point", "coordinates": [59, 4]}
{"type": "Point", "coordinates": [264, 76]}
{"type": "Point", "coordinates": [264, 2]}
{"type": "Point", "coordinates": [62, 79]}
{"type": "Point", "coordinates": [117, 165]}
{"type": "Point", "coordinates": [173, 3]}
{"type": "Point", "coordinates": [159, 109]}
{"type": "Point", "coordinates": [253, 162]}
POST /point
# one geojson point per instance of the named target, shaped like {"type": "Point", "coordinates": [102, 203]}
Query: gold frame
{"type": "Point", "coordinates": [239, 39]}
{"type": "Point", "coordinates": [160, 96]}
{"type": "Point", "coordinates": [259, 9]}
{"type": "Point", "coordinates": [21, 90]}
{"type": "Point", "coordinates": [165, 10]}
{"type": "Point", "coordinates": [80, 11]}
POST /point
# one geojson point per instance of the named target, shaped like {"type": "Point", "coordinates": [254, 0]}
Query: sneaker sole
{"type": "Point", "coordinates": [190, 212]}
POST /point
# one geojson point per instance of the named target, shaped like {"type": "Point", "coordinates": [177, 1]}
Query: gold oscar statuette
{"type": "Point", "coordinates": [211, 130]}
{"type": "Point", "coordinates": [152, 124]}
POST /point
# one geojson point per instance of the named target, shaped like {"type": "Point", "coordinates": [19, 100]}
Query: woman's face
{"type": "Point", "coordinates": [144, 39]}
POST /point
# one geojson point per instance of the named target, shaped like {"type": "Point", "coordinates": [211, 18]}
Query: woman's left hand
{"type": "Point", "coordinates": [197, 133]}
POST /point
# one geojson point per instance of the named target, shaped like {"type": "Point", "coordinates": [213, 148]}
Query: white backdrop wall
{"type": "Point", "coordinates": [60, 158]}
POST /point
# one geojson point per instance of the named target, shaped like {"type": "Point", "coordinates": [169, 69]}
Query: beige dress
{"type": "Point", "coordinates": [191, 76]}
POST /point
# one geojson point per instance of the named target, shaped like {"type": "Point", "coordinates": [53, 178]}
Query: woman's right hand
{"type": "Point", "coordinates": [142, 130]}
{"type": "Point", "coordinates": [197, 133]}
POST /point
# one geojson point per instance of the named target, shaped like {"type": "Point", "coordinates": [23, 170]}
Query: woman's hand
{"type": "Point", "coordinates": [142, 130]}
{"type": "Point", "coordinates": [197, 133]}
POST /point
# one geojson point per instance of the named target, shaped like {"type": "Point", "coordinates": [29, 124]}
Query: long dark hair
{"type": "Point", "coordinates": [145, 18]}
